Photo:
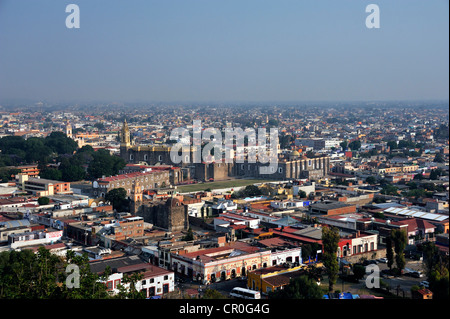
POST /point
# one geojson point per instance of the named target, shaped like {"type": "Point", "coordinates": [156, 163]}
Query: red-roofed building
{"type": "Point", "coordinates": [418, 229]}
{"type": "Point", "coordinates": [221, 263]}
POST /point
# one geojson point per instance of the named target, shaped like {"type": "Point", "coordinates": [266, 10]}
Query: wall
{"type": "Point", "coordinates": [380, 253]}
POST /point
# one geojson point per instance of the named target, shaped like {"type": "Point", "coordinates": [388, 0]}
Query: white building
{"type": "Point", "coordinates": [291, 255]}
{"type": "Point", "coordinates": [47, 236]}
{"type": "Point", "coordinates": [226, 219]}
{"type": "Point", "coordinates": [156, 281]}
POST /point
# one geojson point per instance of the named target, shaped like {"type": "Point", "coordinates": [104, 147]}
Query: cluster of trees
{"type": "Point", "coordinates": [118, 199]}
{"type": "Point", "coordinates": [353, 145]}
{"type": "Point", "coordinates": [42, 275]}
{"type": "Point", "coordinates": [16, 150]}
{"type": "Point", "coordinates": [395, 249]}
{"type": "Point", "coordinates": [248, 191]}
{"type": "Point", "coordinates": [310, 251]}
{"type": "Point", "coordinates": [388, 189]}
{"type": "Point", "coordinates": [7, 173]}
{"type": "Point", "coordinates": [75, 163]}
{"type": "Point", "coordinates": [303, 287]}
{"type": "Point", "coordinates": [436, 266]}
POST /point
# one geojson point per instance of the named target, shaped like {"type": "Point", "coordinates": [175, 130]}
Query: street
{"type": "Point", "coordinates": [403, 283]}
{"type": "Point", "coordinates": [224, 287]}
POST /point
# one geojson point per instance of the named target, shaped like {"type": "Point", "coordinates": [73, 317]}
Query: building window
{"type": "Point", "coordinates": [166, 277]}
{"type": "Point", "coordinates": [160, 158]}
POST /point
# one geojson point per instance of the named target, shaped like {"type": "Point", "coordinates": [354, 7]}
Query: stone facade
{"type": "Point", "coordinates": [291, 168]}
{"type": "Point", "coordinates": [171, 215]}
{"type": "Point", "coordinates": [146, 180]}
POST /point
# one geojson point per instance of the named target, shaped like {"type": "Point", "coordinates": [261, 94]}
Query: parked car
{"type": "Point", "coordinates": [417, 274]}
{"type": "Point", "coordinates": [370, 262]}
{"type": "Point", "coordinates": [383, 260]}
{"type": "Point", "coordinates": [425, 284]}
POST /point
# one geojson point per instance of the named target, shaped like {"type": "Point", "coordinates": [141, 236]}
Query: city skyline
{"type": "Point", "coordinates": [199, 51]}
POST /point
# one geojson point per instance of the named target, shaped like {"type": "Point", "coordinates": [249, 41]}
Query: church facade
{"type": "Point", "coordinates": [290, 166]}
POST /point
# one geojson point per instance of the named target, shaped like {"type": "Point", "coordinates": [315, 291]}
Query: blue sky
{"type": "Point", "coordinates": [224, 50]}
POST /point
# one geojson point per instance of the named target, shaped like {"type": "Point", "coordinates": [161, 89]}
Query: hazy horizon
{"type": "Point", "coordinates": [201, 51]}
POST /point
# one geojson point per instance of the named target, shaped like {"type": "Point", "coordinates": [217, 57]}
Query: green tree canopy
{"type": "Point", "coordinates": [400, 240]}
{"type": "Point", "coordinates": [301, 287]}
{"type": "Point", "coordinates": [330, 240]}
{"type": "Point", "coordinates": [43, 200]}
{"type": "Point", "coordinates": [104, 164]}
{"type": "Point", "coordinates": [60, 143]}
{"type": "Point", "coordinates": [355, 145]}
{"type": "Point", "coordinates": [43, 275]}
{"type": "Point", "coordinates": [117, 198]}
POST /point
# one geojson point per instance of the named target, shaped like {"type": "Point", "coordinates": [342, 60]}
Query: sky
{"type": "Point", "coordinates": [224, 50]}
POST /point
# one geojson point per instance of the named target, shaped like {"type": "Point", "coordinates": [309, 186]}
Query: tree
{"type": "Point", "coordinates": [435, 173]}
{"type": "Point", "coordinates": [399, 239]}
{"type": "Point", "coordinates": [6, 174]}
{"type": "Point", "coordinates": [389, 190]}
{"type": "Point", "coordinates": [301, 287]}
{"type": "Point", "coordinates": [71, 171]}
{"type": "Point", "coordinates": [330, 240]}
{"type": "Point", "coordinates": [389, 252]}
{"type": "Point", "coordinates": [302, 194]}
{"type": "Point", "coordinates": [26, 275]}
{"type": "Point", "coordinates": [51, 173]}
{"type": "Point", "coordinates": [43, 200]}
{"type": "Point", "coordinates": [392, 145]}
{"type": "Point", "coordinates": [117, 198]}
{"type": "Point", "coordinates": [359, 271]}
{"type": "Point", "coordinates": [344, 145]}
{"type": "Point", "coordinates": [439, 158]}
{"type": "Point", "coordinates": [104, 164]}
{"type": "Point", "coordinates": [371, 180]}
{"type": "Point", "coordinates": [127, 287]}
{"type": "Point", "coordinates": [355, 145]}
{"type": "Point", "coordinates": [189, 236]}
{"type": "Point", "coordinates": [60, 143]}
{"type": "Point", "coordinates": [251, 190]}
{"type": "Point", "coordinates": [212, 294]}
{"type": "Point", "coordinates": [436, 266]}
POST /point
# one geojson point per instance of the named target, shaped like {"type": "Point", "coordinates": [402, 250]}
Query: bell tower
{"type": "Point", "coordinates": [125, 141]}
{"type": "Point", "coordinates": [137, 193]}
{"type": "Point", "coordinates": [125, 135]}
